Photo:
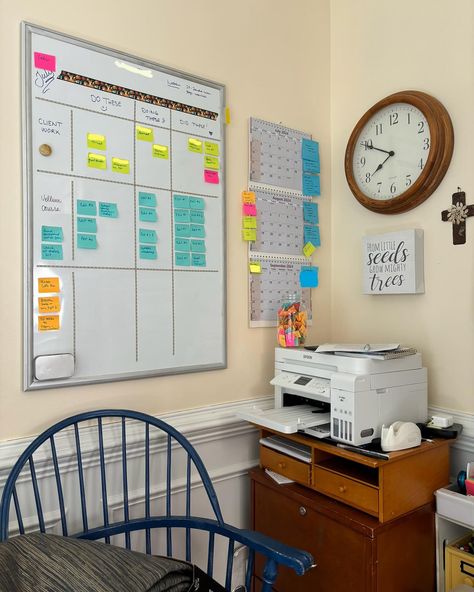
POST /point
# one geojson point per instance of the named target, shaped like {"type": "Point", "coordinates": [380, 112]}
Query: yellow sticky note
{"type": "Point", "coordinates": [249, 234]}
{"type": "Point", "coordinates": [194, 145]}
{"type": "Point", "coordinates": [120, 165]}
{"type": "Point", "coordinates": [96, 161]}
{"type": "Point", "coordinates": [211, 148]}
{"type": "Point", "coordinates": [48, 322]}
{"type": "Point", "coordinates": [227, 115]}
{"type": "Point", "coordinates": [309, 249]}
{"type": "Point", "coordinates": [211, 162]}
{"type": "Point", "coordinates": [49, 304]}
{"type": "Point", "coordinates": [48, 285]}
{"type": "Point", "coordinates": [96, 141]}
{"type": "Point", "coordinates": [255, 267]}
{"type": "Point", "coordinates": [144, 133]}
{"type": "Point", "coordinates": [159, 151]}
{"type": "Point", "coordinates": [248, 197]}
{"type": "Point", "coordinates": [249, 222]}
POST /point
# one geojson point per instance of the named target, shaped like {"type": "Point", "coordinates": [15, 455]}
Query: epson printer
{"type": "Point", "coordinates": [342, 396]}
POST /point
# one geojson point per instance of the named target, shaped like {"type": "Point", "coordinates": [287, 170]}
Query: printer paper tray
{"type": "Point", "coordinates": [287, 420]}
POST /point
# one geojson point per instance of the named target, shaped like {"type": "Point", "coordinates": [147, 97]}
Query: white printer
{"type": "Point", "coordinates": [346, 397]}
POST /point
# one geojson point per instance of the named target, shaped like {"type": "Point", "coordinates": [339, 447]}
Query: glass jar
{"type": "Point", "coordinates": [292, 321]}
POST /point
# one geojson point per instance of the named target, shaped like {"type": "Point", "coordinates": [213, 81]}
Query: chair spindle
{"type": "Point", "coordinates": [59, 487]}
{"type": "Point", "coordinates": [147, 486]}
{"type": "Point", "coordinates": [39, 509]}
{"type": "Point", "coordinates": [105, 508]}
{"type": "Point", "coordinates": [18, 512]}
{"type": "Point", "coordinates": [230, 564]}
{"type": "Point", "coordinates": [126, 513]}
{"type": "Point", "coordinates": [81, 479]}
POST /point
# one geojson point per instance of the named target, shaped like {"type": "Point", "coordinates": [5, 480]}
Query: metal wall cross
{"type": "Point", "coordinates": [457, 214]}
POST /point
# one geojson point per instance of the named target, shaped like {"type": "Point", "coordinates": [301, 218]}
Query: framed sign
{"type": "Point", "coordinates": [393, 263]}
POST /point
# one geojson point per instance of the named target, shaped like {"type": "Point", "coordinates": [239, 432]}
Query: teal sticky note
{"type": "Point", "coordinates": [198, 260]}
{"type": "Point", "coordinates": [85, 207]}
{"type": "Point", "coordinates": [310, 212]}
{"type": "Point", "coordinates": [86, 241]}
{"type": "Point", "coordinates": [198, 246]}
{"type": "Point", "coordinates": [311, 235]}
{"type": "Point", "coordinates": [86, 225]}
{"type": "Point", "coordinates": [181, 216]}
{"type": "Point", "coordinates": [52, 252]}
{"type": "Point", "coordinates": [310, 150]}
{"type": "Point", "coordinates": [147, 215]}
{"type": "Point", "coordinates": [182, 259]}
{"type": "Point", "coordinates": [196, 203]}
{"type": "Point", "coordinates": [197, 231]}
{"type": "Point", "coordinates": [182, 230]}
{"type": "Point", "coordinates": [197, 216]}
{"type": "Point", "coordinates": [146, 199]}
{"type": "Point", "coordinates": [181, 244]}
{"type": "Point", "coordinates": [181, 201]}
{"type": "Point", "coordinates": [309, 277]}
{"type": "Point", "coordinates": [311, 166]}
{"type": "Point", "coordinates": [52, 234]}
{"type": "Point", "coordinates": [148, 252]}
{"type": "Point", "coordinates": [311, 184]}
{"type": "Point", "coordinates": [108, 210]}
{"type": "Point", "coordinates": [147, 236]}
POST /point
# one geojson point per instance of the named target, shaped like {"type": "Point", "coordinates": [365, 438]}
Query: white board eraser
{"type": "Point", "coordinates": [54, 366]}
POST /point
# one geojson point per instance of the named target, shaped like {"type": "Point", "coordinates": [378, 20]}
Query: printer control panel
{"type": "Point", "coordinates": [307, 385]}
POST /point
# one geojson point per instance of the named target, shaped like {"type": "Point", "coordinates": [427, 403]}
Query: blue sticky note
{"type": "Point", "coordinates": [181, 201]}
{"type": "Point", "coordinates": [108, 210]}
{"type": "Point", "coordinates": [198, 260]}
{"type": "Point", "coordinates": [181, 216]}
{"type": "Point", "coordinates": [86, 241]}
{"type": "Point", "coordinates": [182, 259]}
{"type": "Point", "coordinates": [181, 244]}
{"type": "Point", "coordinates": [52, 252]}
{"type": "Point", "coordinates": [198, 246]}
{"type": "Point", "coordinates": [310, 212]}
{"type": "Point", "coordinates": [146, 199]}
{"type": "Point", "coordinates": [197, 216]}
{"type": "Point", "coordinates": [86, 225]}
{"type": "Point", "coordinates": [311, 184]}
{"type": "Point", "coordinates": [52, 234]}
{"type": "Point", "coordinates": [147, 215]}
{"type": "Point", "coordinates": [310, 150]}
{"type": "Point", "coordinates": [147, 236]}
{"type": "Point", "coordinates": [197, 231]}
{"type": "Point", "coordinates": [196, 203]}
{"type": "Point", "coordinates": [148, 252]}
{"type": "Point", "coordinates": [311, 235]}
{"type": "Point", "coordinates": [309, 277]}
{"type": "Point", "coordinates": [311, 166]}
{"type": "Point", "coordinates": [86, 208]}
{"type": "Point", "coordinates": [182, 230]}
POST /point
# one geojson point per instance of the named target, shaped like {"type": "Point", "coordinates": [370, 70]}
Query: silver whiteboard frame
{"type": "Point", "coordinates": [29, 381]}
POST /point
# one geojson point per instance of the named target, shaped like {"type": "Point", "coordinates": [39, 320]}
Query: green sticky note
{"type": "Point", "coordinates": [197, 231]}
{"type": "Point", "coordinates": [86, 225]}
{"type": "Point", "coordinates": [159, 151]}
{"type": "Point", "coordinates": [86, 241]}
{"type": "Point", "coordinates": [147, 236]}
{"type": "Point", "coordinates": [211, 162]}
{"type": "Point", "coordinates": [148, 252]}
{"type": "Point", "coordinates": [97, 141]}
{"type": "Point", "coordinates": [197, 216]}
{"type": "Point", "coordinates": [144, 133]}
{"type": "Point", "coordinates": [52, 234]}
{"type": "Point", "coordinates": [120, 165]}
{"type": "Point", "coordinates": [96, 161]}
{"type": "Point", "coordinates": [181, 216]}
{"type": "Point", "coordinates": [182, 259]}
{"type": "Point", "coordinates": [211, 148]}
{"type": "Point", "coordinates": [146, 199]}
{"type": "Point", "coordinates": [148, 215]}
{"type": "Point", "coordinates": [198, 246]}
{"type": "Point", "coordinates": [194, 145]}
{"type": "Point", "coordinates": [86, 208]}
{"type": "Point", "coordinates": [196, 203]}
{"type": "Point", "coordinates": [181, 244]}
{"type": "Point", "coordinates": [181, 201]}
{"type": "Point", "coordinates": [108, 210]}
{"type": "Point", "coordinates": [198, 260]}
{"type": "Point", "coordinates": [52, 252]}
{"type": "Point", "coordinates": [182, 230]}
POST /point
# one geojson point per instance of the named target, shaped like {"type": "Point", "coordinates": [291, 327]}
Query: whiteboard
{"type": "Point", "coordinates": [124, 188]}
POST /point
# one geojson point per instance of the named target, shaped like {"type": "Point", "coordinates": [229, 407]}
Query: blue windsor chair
{"type": "Point", "coordinates": [95, 524]}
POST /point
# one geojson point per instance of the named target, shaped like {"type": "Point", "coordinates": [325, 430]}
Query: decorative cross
{"type": "Point", "coordinates": [457, 214]}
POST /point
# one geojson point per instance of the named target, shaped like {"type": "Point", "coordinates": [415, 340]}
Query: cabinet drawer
{"type": "Point", "coordinates": [361, 496]}
{"type": "Point", "coordinates": [285, 465]}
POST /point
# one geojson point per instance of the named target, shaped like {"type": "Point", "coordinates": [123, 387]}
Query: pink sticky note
{"type": "Point", "coordinates": [211, 177]}
{"type": "Point", "coordinates": [249, 209]}
{"type": "Point", "coordinates": [43, 61]}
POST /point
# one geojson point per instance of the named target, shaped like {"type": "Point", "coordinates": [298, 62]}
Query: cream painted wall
{"type": "Point", "coordinates": [377, 48]}
{"type": "Point", "coordinates": [273, 57]}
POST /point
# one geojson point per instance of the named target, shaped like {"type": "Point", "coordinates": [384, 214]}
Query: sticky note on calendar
{"type": "Point", "coordinates": [255, 267]}
{"type": "Point", "coordinates": [195, 145]}
{"type": "Point", "coordinates": [249, 209]}
{"type": "Point", "coordinates": [198, 260]}
{"type": "Point", "coordinates": [211, 162]}
{"type": "Point", "coordinates": [120, 165]}
{"type": "Point", "coordinates": [146, 199]}
{"type": "Point", "coordinates": [145, 134]}
{"type": "Point", "coordinates": [310, 212]}
{"type": "Point", "coordinates": [311, 184]}
{"type": "Point", "coordinates": [148, 252]}
{"type": "Point", "coordinates": [86, 225]}
{"type": "Point", "coordinates": [249, 222]}
{"type": "Point", "coordinates": [309, 150]}
{"type": "Point", "coordinates": [159, 151]}
{"type": "Point", "coordinates": [96, 141]}
{"type": "Point", "coordinates": [48, 323]}
{"type": "Point", "coordinates": [198, 246]}
{"type": "Point", "coordinates": [183, 259]}
{"type": "Point", "coordinates": [148, 236]}
{"type": "Point", "coordinates": [52, 234]}
{"type": "Point", "coordinates": [49, 304]}
{"type": "Point", "coordinates": [147, 215]}
{"type": "Point", "coordinates": [211, 177]}
{"type": "Point", "coordinates": [248, 197]}
{"type": "Point", "coordinates": [181, 201]}
{"type": "Point", "coordinates": [249, 234]}
{"type": "Point", "coordinates": [196, 203]}
{"type": "Point", "coordinates": [108, 210]}
{"type": "Point", "coordinates": [51, 252]}
{"type": "Point", "coordinates": [96, 161]}
{"type": "Point", "coordinates": [197, 216]}
{"type": "Point", "coordinates": [311, 235]}
{"type": "Point", "coordinates": [48, 285]}
{"type": "Point", "coordinates": [309, 277]}
{"type": "Point", "coordinates": [87, 241]}
{"type": "Point", "coordinates": [181, 244]}
{"type": "Point", "coordinates": [211, 148]}
{"type": "Point", "coordinates": [85, 207]}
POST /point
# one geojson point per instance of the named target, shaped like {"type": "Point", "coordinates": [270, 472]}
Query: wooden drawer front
{"type": "Point", "coordinates": [285, 465]}
{"type": "Point", "coordinates": [363, 497]}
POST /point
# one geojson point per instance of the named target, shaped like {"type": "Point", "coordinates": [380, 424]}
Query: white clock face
{"type": "Point", "coordinates": [391, 151]}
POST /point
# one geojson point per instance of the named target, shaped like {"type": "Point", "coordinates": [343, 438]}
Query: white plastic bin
{"type": "Point", "coordinates": [455, 506]}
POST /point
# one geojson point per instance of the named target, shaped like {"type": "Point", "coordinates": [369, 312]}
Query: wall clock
{"type": "Point", "coordinates": [399, 151]}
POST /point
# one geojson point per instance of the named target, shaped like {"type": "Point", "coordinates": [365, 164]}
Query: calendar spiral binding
{"type": "Point", "coordinates": [261, 123]}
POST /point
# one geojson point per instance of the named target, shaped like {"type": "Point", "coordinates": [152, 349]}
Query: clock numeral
{"type": "Point", "coordinates": [408, 118]}
{"type": "Point", "coordinates": [378, 129]}
{"type": "Point", "coordinates": [367, 177]}
{"type": "Point", "coordinates": [393, 188]}
{"type": "Point", "coordinates": [408, 181]}
{"type": "Point", "coordinates": [367, 145]}
{"type": "Point", "coordinates": [379, 185]}
{"type": "Point", "coordinates": [421, 127]}
{"type": "Point", "coordinates": [426, 144]}
{"type": "Point", "coordinates": [394, 118]}
{"type": "Point", "coordinates": [362, 161]}
{"type": "Point", "coordinates": [421, 165]}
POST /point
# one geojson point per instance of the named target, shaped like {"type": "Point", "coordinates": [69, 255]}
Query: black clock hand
{"type": "Point", "coordinates": [372, 147]}
{"type": "Point", "coordinates": [391, 153]}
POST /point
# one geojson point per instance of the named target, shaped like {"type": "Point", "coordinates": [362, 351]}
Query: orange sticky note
{"type": "Point", "coordinates": [49, 304]}
{"type": "Point", "coordinates": [248, 197]}
{"type": "Point", "coordinates": [48, 284]}
{"type": "Point", "coordinates": [48, 322]}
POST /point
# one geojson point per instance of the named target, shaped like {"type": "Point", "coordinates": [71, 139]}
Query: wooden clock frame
{"type": "Point", "coordinates": [442, 145]}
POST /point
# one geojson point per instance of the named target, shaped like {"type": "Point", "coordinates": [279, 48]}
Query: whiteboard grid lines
{"type": "Point", "coordinates": [72, 140]}
{"type": "Point", "coordinates": [135, 223]}
{"type": "Point", "coordinates": [187, 270]}
{"type": "Point", "coordinates": [173, 328]}
{"type": "Point", "coordinates": [72, 220]}
{"type": "Point", "coordinates": [74, 315]}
